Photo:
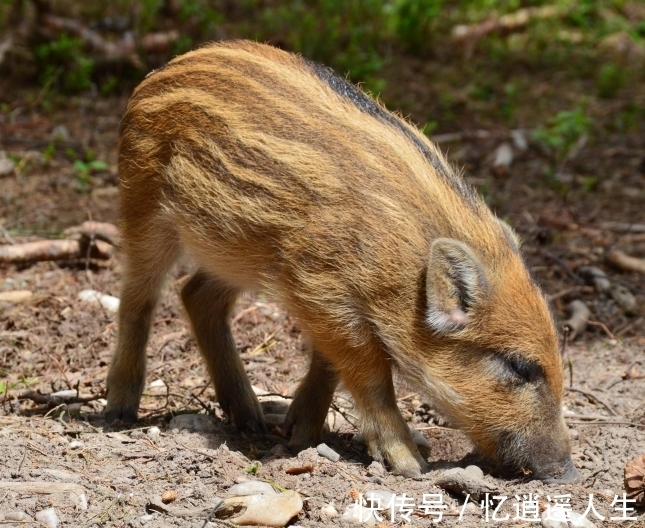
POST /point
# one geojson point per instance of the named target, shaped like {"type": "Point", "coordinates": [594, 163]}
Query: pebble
{"type": "Point", "coordinates": [108, 302]}
{"type": "Point", "coordinates": [124, 439]}
{"type": "Point", "coordinates": [375, 469]}
{"type": "Point", "coordinates": [79, 500]}
{"type": "Point", "coordinates": [6, 166]}
{"type": "Point", "coordinates": [325, 451]}
{"type": "Point", "coordinates": [503, 156]}
{"type": "Point", "coordinates": [59, 474]}
{"type": "Point", "coordinates": [60, 132]}
{"type": "Point", "coordinates": [153, 433]}
{"type": "Point", "coordinates": [421, 441]}
{"type": "Point", "coordinates": [474, 471]}
{"type": "Point", "coordinates": [270, 510]}
{"type": "Point", "coordinates": [574, 520]}
{"type": "Point", "coordinates": [359, 514]}
{"type": "Point", "coordinates": [196, 423]}
{"type": "Point", "coordinates": [76, 444]}
{"type": "Point", "coordinates": [378, 498]}
{"type": "Point", "coordinates": [329, 511]}
{"type": "Point", "coordinates": [252, 487]}
{"type": "Point", "coordinates": [169, 496]}
{"type": "Point", "coordinates": [48, 517]}
{"type": "Point", "coordinates": [16, 516]}
{"type": "Point", "coordinates": [146, 518]}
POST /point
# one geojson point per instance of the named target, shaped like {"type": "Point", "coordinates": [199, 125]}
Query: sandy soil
{"type": "Point", "coordinates": [56, 342]}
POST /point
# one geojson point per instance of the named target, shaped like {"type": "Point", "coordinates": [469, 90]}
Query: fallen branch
{"type": "Point", "coordinates": [44, 488]}
{"type": "Point", "coordinates": [625, 262]}
{"type": "Point", "coordinates": [57, 398]}
{"type": "Point", "coordinates": [578, 320]}
{"type": "Point", "coordinates": [16, 296]}
{"type": "Point", "coordinates": [623, 227]}
{"type": "Point", "coordinates": [96, 231]}
{"type": "Point", "coordinates": [469, 481]}
{"type": "Point", "coordinates": [603, 284]}
{"type": "Point", "coordinates": [123, 50]}
{"type": "Point", "coordinates": [594, 397]}
{"type": "Point", "coordinates": [504, 25]}
{"type": "Point", "coordinates": [53, 250]}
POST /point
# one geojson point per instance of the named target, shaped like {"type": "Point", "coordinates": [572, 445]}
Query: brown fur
{"type": "Point", "coordinates": [270, 173]}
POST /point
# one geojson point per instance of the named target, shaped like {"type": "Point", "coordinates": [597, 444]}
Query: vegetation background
{"type": "Point", "coordinates": [541, 106]}
{"type": "Point", "coordinates": [484, 61]}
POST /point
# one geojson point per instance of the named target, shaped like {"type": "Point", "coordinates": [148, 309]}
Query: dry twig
{"type": "Point", "coordinates": [52, 250]}
{"type": "Point", "coordinates": [578, 320]}
{"type": "Point", "coordinates": [626, 262]}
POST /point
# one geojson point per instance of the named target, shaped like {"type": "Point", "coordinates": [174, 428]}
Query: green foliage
{"type": "Point", "coordinates": [253, 469]}
{"type": "Point", "coordinates": [83, 170]}
{"type": "Point", "coordinates": [109, 85]}
{"type": "Point", "coordinates": [589, 184]}
{"type": "Point", "coordinates": [344, 34]}
{"type": "Point", "coordinates": [563, 131]}
{"type": "Point", "coordinates": [413, 21]}
{"type": "Point", "coordinates": [62, 62]}
{"type": "Point", "coordinates": [6, 386]}
{"type": "Point", "coordinates": [611, 79]}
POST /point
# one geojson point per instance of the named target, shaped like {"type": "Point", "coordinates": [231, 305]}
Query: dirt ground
{"type": "Point", "coordinates": [55, 342]}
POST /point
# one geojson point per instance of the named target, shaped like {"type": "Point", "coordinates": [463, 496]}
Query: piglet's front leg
{"type": "Point", "coordinates": [386, 434]}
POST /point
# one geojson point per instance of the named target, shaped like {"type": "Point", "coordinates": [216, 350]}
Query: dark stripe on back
{"type": "Point", "coordinates": [366, 104]}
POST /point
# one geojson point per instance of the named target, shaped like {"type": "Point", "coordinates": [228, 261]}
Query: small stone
{"type": "Point", "coordinates": [252, 487]}
{"type": "Point", "coordinates": [475, 472]}
{"type": "Point", "coordinates": [61, 475]}
{"type": "Point", "coordinates": [503, 156]}
{"type": "Point", "coordinates": [421, 441]}
{"type": "Point", "coordinates": [378, 498]}
{"type": "Point", "coordinates": [565, 519]}
{"type": "Point", "coordinates": [124, 439]}
{"type": "Point", "coordinates": [329, 511]}
{"type": "Point", "coordinates": [375, 469]}
{"type": "Point", "coordinates": [60, 133]}
{"type": "Point", "coordinates": [270, 510]}
{"type": "Point", "coordinates": [108, 302]}
{"type": "Point", "coordinates": [153, 433]}
{"type": "Point", "coordinates": [79, 500]}
{"type": "Point", "coordinates": [195, 423]}
{"type": "Point", "coordinates": [519, 140]}
{"type": "Point", "coordinates": [48, 517]}
{"type": "Point", "coordinates": [146, 518]}
{"type": "Point", "coordinates": [76, 444]}
{"type": "Point", "coordinates": [168, 496]}
{"type": "Point", "coordinates": [359, 514]}
{"type": "Point", "coordinates": [16, 516]}
{"type": "Point", "coordinates": [7, 166]}
{"type": "Point", "coordinates": [325, 451]}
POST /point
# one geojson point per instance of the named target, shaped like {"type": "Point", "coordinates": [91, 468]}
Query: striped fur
{"type": "Point", "coordinates": [272, 173]}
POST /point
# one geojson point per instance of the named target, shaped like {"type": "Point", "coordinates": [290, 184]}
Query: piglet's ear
{"type": "Point", "coordinates": [455, 282]}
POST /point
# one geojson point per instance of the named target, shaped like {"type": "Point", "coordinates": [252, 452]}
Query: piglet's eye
{"type": "Point", "coordinates": [526, 370]}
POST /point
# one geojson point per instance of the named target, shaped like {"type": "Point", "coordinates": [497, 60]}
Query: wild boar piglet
{"type": "Point", "coordinates": [272, 173]}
